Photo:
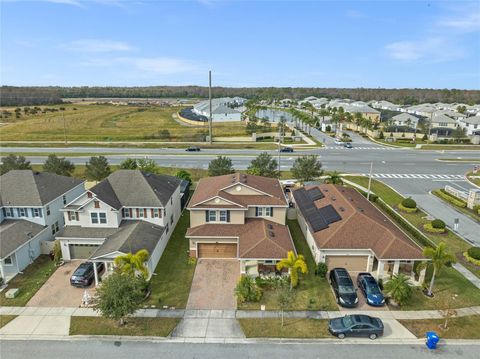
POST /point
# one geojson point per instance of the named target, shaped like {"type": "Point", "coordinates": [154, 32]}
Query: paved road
{"type": "Point", "coordinates": [146, 349]}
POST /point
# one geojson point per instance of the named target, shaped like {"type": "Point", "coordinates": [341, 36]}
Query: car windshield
{"type": "Point", "coordinates": [371, 286]}
{"type": "Point", "coordinates": [81, 270]}
{"type": "Point", "coordinates": [345, 286]}
{"type": "Point", "coordinates": [347, 321]}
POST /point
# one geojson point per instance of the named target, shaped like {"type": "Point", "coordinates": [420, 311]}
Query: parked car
{"type": "Point", "coordinates": [356, 326]}
{"type": "Point", "coordinates": [371, 290]}
{"type": "Point", "coordinates": [343, 288]}
{"type": "Point", "coordinates": [347, 145]}
{"type": "Point", "coordinates": [193, 149]}
{"type": "Point", "coordinates": [286, 149]}
{"type": "Point", "coordinates": [84, 274]}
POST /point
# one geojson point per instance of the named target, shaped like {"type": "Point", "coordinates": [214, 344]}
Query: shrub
{"type": "Point", "coordinates": [247, 290]}
{"type": "Point", "coordinates": [438, 224]}
{"type": "Point", "coordinates": [322, 270]}
{"type": "Point", "coordinates": [409, 203]}
{"type": "Point", "coordinates": [471, 259]}
{"type": "Point", "coordinates": [474, 252]}
{"type": "Point", "coordinates": [429, 228]}
{"type": "Point", "coordinates": [449, 198]}
{"type": "Point", "coordinates": [405, 209]}
{"type": "Point", "coordinates": [425, 137]}
{"type": "Point", "coordinates": [328, 128]}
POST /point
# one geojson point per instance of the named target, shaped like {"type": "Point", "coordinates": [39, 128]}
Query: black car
{"type": "Point", "coordinates": [286, 149]}
{"type": "Point", "coordinates": [84, 275]}
{"type": "Point", "coordinates": [356, 326]}
{"type": "Point", "coordinates": [347, 145]}
{"type": "Point", "coordinates": [193, 149]}
{"type": "Point", "coordinates": [371, 290]}
{"type": "Point", "coordinates": [343, 287]}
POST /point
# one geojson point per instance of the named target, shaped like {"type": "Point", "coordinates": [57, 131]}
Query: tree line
{"type": "Point", "coordinates": [12, 96]}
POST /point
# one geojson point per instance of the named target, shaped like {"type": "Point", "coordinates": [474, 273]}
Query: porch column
{"type": "Point", "coordinates": [95, 272]}
{"type": "Point", "coordinates": [396, 267]}
{"type": "Point", "coordinates": [380, 270]}
{"type": "Point", "coordinates": [2, 274]}
{"type": "Point", "coordinates": [242, 267]}
{"type": "Point", "coordinates": [421, 276]}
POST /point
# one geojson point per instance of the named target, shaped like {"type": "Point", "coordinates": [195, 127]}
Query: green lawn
{"type": "Point", "coordinates": [5, 319]}
{"type": "Point", "coordinates": [312, 293]}
{"type": "Point", "coordinates": [33, 277]}
{"type": "Point", "coordinates": [292, 328]}
{"type": "Point", "coordinates": [155, 327]}
{"type": "Point", "coordinates": [171, 284]}
{"type": "Point", "coordinates": [458, 328]}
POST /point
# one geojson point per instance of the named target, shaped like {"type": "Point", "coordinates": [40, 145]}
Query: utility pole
{"type": "Point", "coordinates": [369, 181]}
{"type": "Point", "coordinates": [279, 147]}
{"type": "Point", "coordinates": [64, 128]}
{"type": "Point", "coordinates": [210, 105]}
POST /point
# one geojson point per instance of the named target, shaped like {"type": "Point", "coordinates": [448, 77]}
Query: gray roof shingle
{"type": "Point", "coordinates": [15, 233]}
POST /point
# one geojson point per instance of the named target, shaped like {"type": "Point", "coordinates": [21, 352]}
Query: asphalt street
{"type": "Point", "coordinates": [94, 348]}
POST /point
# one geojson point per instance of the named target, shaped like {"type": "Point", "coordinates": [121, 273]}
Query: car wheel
{"type": "Point", "coordinates": [373, 336]}
{"type": "Point", "coordinates": [341, 336]}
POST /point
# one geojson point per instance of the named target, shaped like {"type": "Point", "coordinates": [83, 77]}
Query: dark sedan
{"type": "Point", "coordinates": [356, 326]}
{"type": "Point", "coordinates": [343, 288]}
{"type": "Point", "coordinates": [348, 145]}
{"type": "Point", "coordinates": [370, 289]}
{"type": "Point", "coordinates": [84, 275]}
{"type": "Point", "coordinates": [286, 149]}
{"type": "Point", "coordinates": [193, 149]}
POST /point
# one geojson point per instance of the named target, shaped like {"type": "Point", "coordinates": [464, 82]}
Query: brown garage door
{"type": "Point", "coordinates": [217, 250]}
{"type": "Point", "coordinates": [350, 263]}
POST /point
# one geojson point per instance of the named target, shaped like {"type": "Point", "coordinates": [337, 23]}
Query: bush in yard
{"type": "Point", "coordinates": [438, 224]}
{"type": "Point", "coordinates": [474, 252]}
{"type": "Point", "coordinates": [247, 290]}
{"type": "Point", "coordinates": [471, 259]}
{"type": "Point", "coordinates": [409, 203]}
{"type": "Point", "coordinates": [449, 198]}
{"type": "Point", "coordinates": [322, 270]}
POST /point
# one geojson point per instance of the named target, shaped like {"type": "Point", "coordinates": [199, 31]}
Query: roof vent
{"type": "Point", "coordinates": [271, 234]}
{"type": "Point", "coordinates": [333, 198]}
{"type": "Point", "coordinates": [325, 190]}
{"type": "Point", "coordinates": [360, 209]}
{"type": "Point", "coordinates": [269, 226]}
{"type": "Point", "coordinates": [342, 209]}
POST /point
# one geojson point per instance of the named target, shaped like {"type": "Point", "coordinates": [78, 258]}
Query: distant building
{"type": "Point", "coordinates": [471, 125]}
{"type": "Point", "coordinates": [405, 119]}
{"type": "Point", "coordinates": [224, 109]}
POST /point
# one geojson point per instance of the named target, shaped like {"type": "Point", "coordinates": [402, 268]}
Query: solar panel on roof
{"type": "Point", "coordinates": [315, 194]}
{"type": "Point", "coordinates": [329, 214]}
{"type": "Point", "coordinates": [309, 210]}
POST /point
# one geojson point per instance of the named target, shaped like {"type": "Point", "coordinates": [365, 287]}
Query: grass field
{"type": "Point", "coordinates": [154, 327]}
{"type": "Point", "coordinates": [292, 328]}
{"type": "Point", "coordinates": [458, 328]}
{"type": "Point", "coordinates": [109, 123]}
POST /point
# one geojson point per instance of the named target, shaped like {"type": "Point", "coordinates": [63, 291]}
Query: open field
{"type": "Point", "coordinates": [108, 123]}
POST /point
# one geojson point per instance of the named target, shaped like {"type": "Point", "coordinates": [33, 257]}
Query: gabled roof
{"type": "Point", "coordinates": [362, 225]}
{"type": "Point", "coordinates": [257, 238]}
{"type": "Point", "coordinates": [441, 118]}
{"type": "Point", "coordinates": [15, 233]}
{"type": "Point", "coordinates": [270, 191]}
{"type": "Point", "coordinates": [404, 117]}
{"type": "Point", "coordinates": [134, 188]}
{"type": "Point", "coordinates": [28, 188]}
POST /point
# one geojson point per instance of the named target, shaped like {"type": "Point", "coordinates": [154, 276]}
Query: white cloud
{"type": "Point", "coordinates": [467, 23]}
{"type": "Point", "coordinates": [158, 65]}
{"type": "Point", "coordinates": [97, 45]}
{"type": "Point", "coordinates": [433, 49]}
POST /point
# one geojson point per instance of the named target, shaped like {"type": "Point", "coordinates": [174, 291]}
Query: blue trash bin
{"type": "Point", "coordinates": [432, 340]}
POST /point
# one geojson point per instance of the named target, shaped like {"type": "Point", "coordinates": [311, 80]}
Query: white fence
{"type": "Point", "coordinates": [457, 193]}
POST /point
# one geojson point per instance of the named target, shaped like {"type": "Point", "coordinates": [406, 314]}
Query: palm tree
{"type": "Point", "coordinates": [132, 263]}
{"type": "Point", "coordinates": [439, 257]}
{"type": "Point", "coordinates": [399, 288]}
{"type": "Point", "coordinates": [333, 178]}
{"type": "Point", "coordinates": [294, 264]}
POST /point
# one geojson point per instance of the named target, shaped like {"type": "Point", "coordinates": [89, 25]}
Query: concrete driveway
{"type": "Point", "coordinates": [213, 284]}
{"type": "Point", "coordinates": [57, 291]}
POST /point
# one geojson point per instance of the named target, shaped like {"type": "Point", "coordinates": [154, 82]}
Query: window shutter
{"type": "Point", "coordinates": [130, 211]}
{"type": "Point", "coordinates": [138, 213]}
{"type": "Point", "coordinates": [40, 212]}
{"type": "Point", "coordinates": [206, 216]}
{"type": "Point", "coordinates": [69, 216]}
{"type": "Point", "coordinates": [26, 212]}
{"type": "Point", "coordinates": [159, 213]}
{"type": "Point", "coordinates": [145, 212]}
{"type": "Point", "coordinates": [151, 212]}
{"type": "Point", "coordinates": [271, 211]}
{"type": "Point", "coordinates": [228, 216]}
{"type": "Point", "coordinates": [89, 194]}
{"type": "Point", "coordinates": [256, 211]}
{"type": "Point", "coordinates": [32, 212]}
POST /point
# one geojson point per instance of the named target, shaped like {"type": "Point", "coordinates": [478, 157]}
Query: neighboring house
{"type": "Point", "coordinates": [471, 124]}
{"type": "Point", "coordinates": [425, 110]}
{"type": "Point", "coordinates": [240, 216]}
{"type": "Point", "coordinates": [30, 214]}
{"type": "Point", "coordinates": [405, 119]}
{"type": "Point", "coordinates": [343, 229]}
{"type": "Point", "coordinates": [128, 211]}
{"type": "Point", "coordinates": [439, 120]}
{"type": "Point", "coordinates": [224, 109]}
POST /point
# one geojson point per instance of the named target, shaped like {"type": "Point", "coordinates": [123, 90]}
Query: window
{"type": "Point", "coordinates": [264, 211]}
{"type": "Point", "coordinates": [140, 213]}
{"type": "Point", "coordinates": [73, 216]}
{"type": "Point", "coordinates": [126, 212]}
{"type": "Point", "coordinates": [166, 228]}
{"type": "Point", "coordinates": [55, 227]}
{"type": "Point", "coordinates": [36, 212]}
{"type": "Point", "coordinates": [171, 219]}
{"type": "Point", "coordinates": [171, 200]}
{"type": "Point", "coordinates": [98, 217]}
{"type": "Point", "coordinates": [64, 200]}
{"type": "Point", "coordinates": [96, 204]}
{"type": "Point", "coordinates": [22, 212]}
{"type": "Point", "coordinates": [9, 212]}
{"type": "Point", "coordinates": [212, 216]}
{"type": "Point", "coordinates": [4, 210]}
{"type": "Point", "coordinates": [94, 217]}
{"type": "Point", "coordinates": [48, 210]}
{"type": "Point", "coordinates": [8, 261]}
{"type": "Point", "coordinates": [156, 213]}
{"type": "Point", "coordinates": [103, 217]}
{"type": "Point", "coordinates": [223, 216]}
{"type": "Point", "coordinates": [89, 194]}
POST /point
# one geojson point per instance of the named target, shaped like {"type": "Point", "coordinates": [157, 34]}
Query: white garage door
{"type": "Point", "coordinates": [350, 263]}
{"type": "Point", "coordinates": [82, 251]}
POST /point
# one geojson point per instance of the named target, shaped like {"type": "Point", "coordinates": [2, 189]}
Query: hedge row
{"type": "Point", "coordinates": [449, 198]}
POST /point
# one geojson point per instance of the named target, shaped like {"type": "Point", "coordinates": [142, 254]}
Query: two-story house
{"type": "Point", "coordinates": [128, 211]}
{"type": "Point", "coordinates": [240, 216]}
{"type": "Point", "coordinates": [30, 214]}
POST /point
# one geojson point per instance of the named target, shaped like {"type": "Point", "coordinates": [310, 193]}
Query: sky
{"type": "Point", "coordinates": [388, 44]}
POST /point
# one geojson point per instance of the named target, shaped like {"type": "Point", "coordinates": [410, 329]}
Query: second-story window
{"type": "Point", "coordinates": [22, 212]}
{"type": "Point", "coordinates": [264, 212]}
{"type": "Point", "coordinates": [126, 212]}
{"type": "Point", "coordinates": [9, 212]}
{"type": "Point", "coordinates": [64, 200]}
{"type": "Point", "coordinates": [98, 217]}
{"type": "Point", "coordinates": [212, 216]}
{"type": "Point", "coordinates": [48, 210]}
{"type": "Point", "coordinates": [222, 216]}
{"type": "Point", "coordinates": [36, 212]}
{"type": "Point", "coordinates": [156, 213]}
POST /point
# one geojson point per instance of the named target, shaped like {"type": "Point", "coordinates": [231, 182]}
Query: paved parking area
{"type": "Point", "coordinates": [57, 291]}
{"type": "Point", "coordinates": [213, 284]}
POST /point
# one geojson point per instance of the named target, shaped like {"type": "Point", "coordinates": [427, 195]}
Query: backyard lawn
{"type": "Point", "coordinates": [173, 276]}
{"type": "Point", "coordinates": [458, 328]}
{"type": "Point", "coordinates": [33, 277]}
{"type": "Point", "coordinates": [312, 293]}
{"type": "Point", "coordinates": [5, 319]}
{"type": "Point", "coordinates": [292, 328]}
{"type": "Point", "coordinates": [155, 327]}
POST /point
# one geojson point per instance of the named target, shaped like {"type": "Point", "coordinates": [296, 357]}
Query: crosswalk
{"type": "Point", "coordinates": [415, 176]}
{"type": "Point", "coordinates": [359, 148]}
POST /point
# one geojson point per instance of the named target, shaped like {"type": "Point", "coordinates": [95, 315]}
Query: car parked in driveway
{"type": "Point", "coordinates": [357, 325]}
{"type": "Point", "coordinates": [84, 275]}
{"type": "Point", "coordinates": [370, 289]}
{"type": "Point", "coordinates": [343, 288]}
{"type": "Point", "coordinates": [193, 149]}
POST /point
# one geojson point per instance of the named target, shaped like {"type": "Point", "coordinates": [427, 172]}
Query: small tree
{"type": "Point", "coordinates": [147, 165]}
{"type": "Point", "coordinates": [57, 252]}
{"type": "Point", "coordinates": [221, 165]}
{"type": "Point", "coordinates": [58, 165]}
{"type": "Point", "coordinates": [399, 288]}
{"type": "Point", "coordinates": [184, 175]}
{"type": "Point", "coordinates": [263, 165]}
{"type": "Point", "coordinates": [133, 263]}
{"type": "Point", "coordinates": [12, 162]}
{"type": "Point", "coordinates": [247, 290]}
{"type": "Point", "coordinates": [439, 258]}
{"type": "Point", "coordinates": [334, 178]}
{"type": "Point", "coordinates": [285, 298]}
{"type": "Point", "coordinates": [307, 168]}
{"type": "Point", "coordinates": [294, 264]}
{"type": "Point", "coordinates": [97, 168]}
{"type": "Point", "coordinates": [119, 295]}
{"type": "Point", "coordinates": [129, 164]}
